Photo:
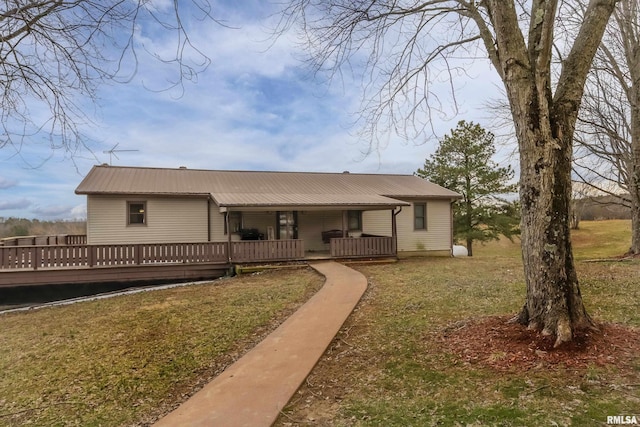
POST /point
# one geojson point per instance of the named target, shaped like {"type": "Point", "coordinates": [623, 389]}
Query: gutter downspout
{"type": "Point", "coordinates": [394, 231]}
{"type": "Point", "coordinates": [451, 226]}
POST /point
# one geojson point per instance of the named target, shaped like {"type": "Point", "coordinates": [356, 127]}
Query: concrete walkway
{"type": "Point", "coordinates": [253, 390]}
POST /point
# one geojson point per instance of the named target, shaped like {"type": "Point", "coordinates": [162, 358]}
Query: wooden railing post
{"type": "Point", "coordinates": [36, 257]}
{"type": "Point", "coordinates": [91, 255]}
{"type": "Point", "coordinates": [137, 251]}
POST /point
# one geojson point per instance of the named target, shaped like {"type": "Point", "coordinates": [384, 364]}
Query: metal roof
{"type": "Point", "coordinates": [251, 188]}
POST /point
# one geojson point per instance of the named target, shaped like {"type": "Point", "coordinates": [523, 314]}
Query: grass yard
{"type": "Point", "coordinates": [127, 360]}
{"type": "Point", "coordinates": [389, 365]}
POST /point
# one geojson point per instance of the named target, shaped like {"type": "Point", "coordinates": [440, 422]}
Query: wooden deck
{"type": "Point", "coordinates": [133, 274]}
{"type": "Point", "coordinates": [26, 265]}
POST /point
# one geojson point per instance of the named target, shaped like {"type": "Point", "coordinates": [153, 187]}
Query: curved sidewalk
{"type": "Point", "coordinates": [253, 390]}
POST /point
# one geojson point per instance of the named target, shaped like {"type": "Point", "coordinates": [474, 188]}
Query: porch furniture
{"type": "Point", "coordinates": [331, 234]}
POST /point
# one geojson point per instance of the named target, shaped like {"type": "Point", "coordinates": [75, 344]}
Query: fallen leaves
{"type": "Point", "coordinates": [504, 346]}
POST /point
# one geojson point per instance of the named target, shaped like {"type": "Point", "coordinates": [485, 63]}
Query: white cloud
{"type": "Point", "coordinates": [78, 212]}
{"type": "Point", "coordinates": [6, 205]}
{"type": "Point", "coordinates": [6, 183]}
{"type": "Point", "coordinates": [255, 108]}
{"type": "Point", "coordinates": [54, 212]}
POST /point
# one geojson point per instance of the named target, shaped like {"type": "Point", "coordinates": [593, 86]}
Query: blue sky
{"type": "Point", "coordinates": [256, 107]}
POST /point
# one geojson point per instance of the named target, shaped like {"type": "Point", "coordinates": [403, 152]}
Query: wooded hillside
{"type": "Point", "coordinates": [14, 227]}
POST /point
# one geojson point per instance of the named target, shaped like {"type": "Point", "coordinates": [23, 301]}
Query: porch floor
{"type": "Point", "coordinates": [317, 255]}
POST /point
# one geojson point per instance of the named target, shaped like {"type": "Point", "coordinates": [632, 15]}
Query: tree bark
{"type": "Point", "coordinates": [634, 184]}
{"type": "Point", "coordinates": [545, 125]}
{"type": "Point", "coordinates": [633, 62]}
{"type": "Point", "coordinates": [554, 302]}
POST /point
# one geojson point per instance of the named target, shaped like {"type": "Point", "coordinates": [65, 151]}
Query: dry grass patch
{"type": "Point", "coordinates": [601, 239]}
{"type": "Point", "coordinates": [429, 345]}
{"type": "Point", "coordinates": [129, 359]}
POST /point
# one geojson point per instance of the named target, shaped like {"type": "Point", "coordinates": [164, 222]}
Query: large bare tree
{"type": "Point", "coordinates": [608, 134]}
{"type": "Point", "coordinates": [407, 45]}
{"type": "Point", "coordinates": [55, 54]}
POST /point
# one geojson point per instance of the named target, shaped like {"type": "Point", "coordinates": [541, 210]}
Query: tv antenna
{"type": "Point", "coordinates": [113, 151]}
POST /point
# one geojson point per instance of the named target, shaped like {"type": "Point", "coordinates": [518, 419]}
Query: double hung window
{"type": "Point", "coordinates": [420, 216]}
{"type": "Point", "coordinates": [354, 220]}
{"type": "Point", "coordinates": [136, 213]}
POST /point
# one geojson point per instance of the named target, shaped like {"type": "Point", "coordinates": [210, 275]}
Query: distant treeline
{"type": "Point", "coordinates": [603, 207]}
{"type": "Point", "coordinates": [15, 227]}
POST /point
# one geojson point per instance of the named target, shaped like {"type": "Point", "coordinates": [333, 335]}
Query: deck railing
{"type": "Point", "coordinates": [60, 239]}
{"type": "Point", "coordinates": [35, 257]}
{"type": "Point", "coordinates": [267, 250]}
{"type": "Point", "coordinates": [361, 247]}
{"type": "Point", "coordinates": [80, 255]}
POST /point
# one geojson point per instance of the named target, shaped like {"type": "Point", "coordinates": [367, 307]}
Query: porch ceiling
{"type": "Point", "coordinates": [272, 200]}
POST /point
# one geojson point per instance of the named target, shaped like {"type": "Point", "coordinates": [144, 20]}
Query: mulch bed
{"type": "Point", "coordinates": [504, 346]}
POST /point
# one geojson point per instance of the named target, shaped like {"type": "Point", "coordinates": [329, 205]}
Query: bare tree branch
{"type": "Point", "coordinates": [608, 139]}
{"type": "Point", "coordinates": [55, 54]}
{"type": "Point", "coordinates": [406, 48]}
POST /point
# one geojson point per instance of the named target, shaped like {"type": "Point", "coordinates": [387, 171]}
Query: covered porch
{"type": "Point", "coordinates": [337, 229]}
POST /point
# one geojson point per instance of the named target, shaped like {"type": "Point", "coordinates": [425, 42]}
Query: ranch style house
{"type": "Point", "coordinates": [303, 214]}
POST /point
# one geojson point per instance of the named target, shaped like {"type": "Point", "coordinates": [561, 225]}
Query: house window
{"type": "Point", "coordinates": [234, 219]}
{"type": "Point", "coordinates": [354, 220]}
{"type": "Point", "coordinates": [136, 213]}
{"type": "Point", "coordinates": [420, 216]}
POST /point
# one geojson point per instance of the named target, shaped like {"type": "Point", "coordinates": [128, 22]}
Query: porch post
{"type": "Point", "coordinates": [451, 226]}
{"type": "Point", "coordinates": [344, 223]}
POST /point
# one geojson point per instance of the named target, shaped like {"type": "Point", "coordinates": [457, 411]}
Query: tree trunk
{"type": "Point", "coordinates": [545, 123]}
{"type": "Point", "coordinates": [469, 246]}
{"type": "Point", "coordinates": [634, 178]}
{"type": "Point", "coordinates": [635, 226]}
{"type": "Point", "coordinates": [545, 132]}
{"type": "Point", "coordinates": [553, 303]}
{"type": "Point", "coordinates": [634, 191]}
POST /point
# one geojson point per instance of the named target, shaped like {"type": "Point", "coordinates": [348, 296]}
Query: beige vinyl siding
{"type": "Point", "coordinates": [216, 233]}
{"type": "Point", "coordinates": [437, 236]}
{"type": "Point", "coordinates": [168, 220]}
{"type": "Point", "coordinates": [377, 223]}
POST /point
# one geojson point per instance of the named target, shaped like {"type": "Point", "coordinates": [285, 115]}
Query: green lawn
{"type": "Point", "coordinates": [593, 240]}
{"type": "Point", "coordinates": [388, 367]}
{"type": "Point", "coordinates": [127, 360]}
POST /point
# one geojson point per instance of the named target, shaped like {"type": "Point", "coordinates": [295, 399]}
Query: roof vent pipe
{"type": "Point", "coordinates": [345, 172]}
{"type": "Point", "coordinates": [183, 167]}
